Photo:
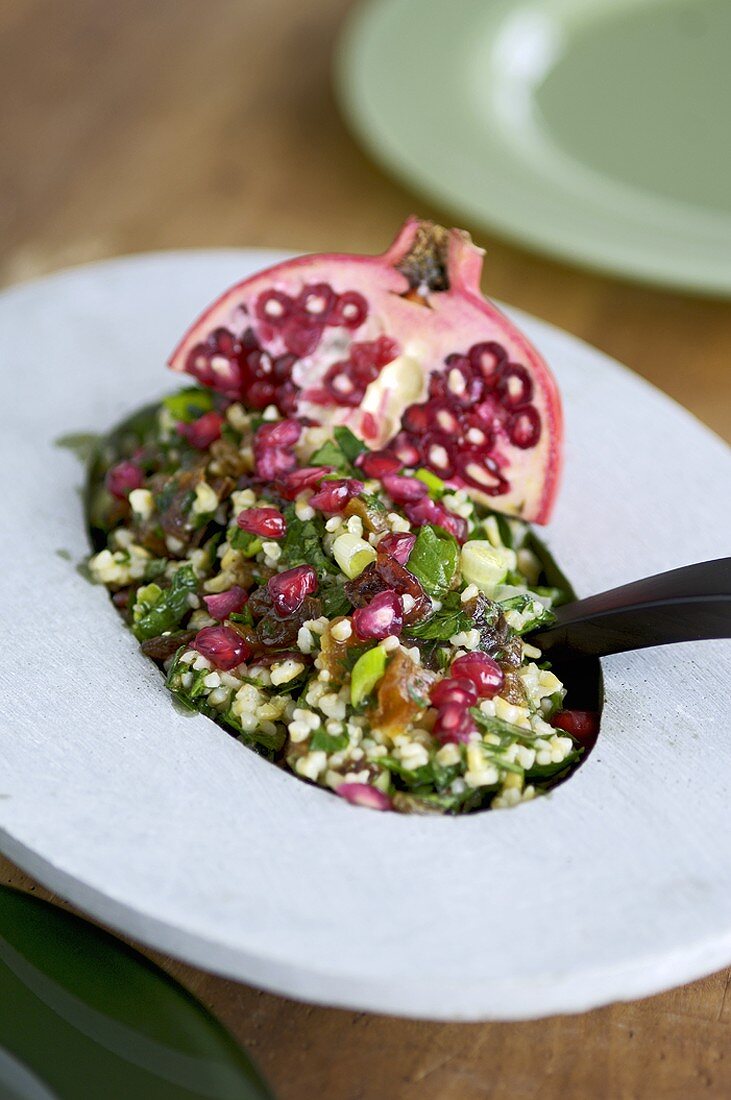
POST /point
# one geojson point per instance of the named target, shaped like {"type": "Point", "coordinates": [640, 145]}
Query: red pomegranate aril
{"type": "Point", "coordinates": [350, 310]}
{"type": "Point", "coordinates": [316, 301]}
{"type": "Point", "coordinates": [333, 496]}
{"type": "Point", "coordinates": [123, 478]}
{"type": "Point", "coordinates": [289, 589]}
{"type": "Point", "coordinates": [482, 671]}
{"type": "Point", "coordinates": [301, 335]}
{"type": "Point", "coordinates": [274, 462]}
{"type": "Point", "coordinates": [437, 454]}
{"type": "Point", "coordinates": [514, 386]}
{"type": "Point", "coordinates": [203, 431]}
{"type": "Point", "coordinates": [381, 618]}
{"type": "Point", "coordinates": [443, 418]}
{"type": "Point", "coordinates": [267, 522]}
{"type": "Point", "coordinates": [363, 794]}
{"type": "Point", "coordinates": [397, 545]}
{"type": "Point", "coordinates": [481, 471]}
{"type": "Point", "coordinates": [280, 433]}
{"type": "Point", "coordinates": [405, 448]}
{"type": "Point", "coordinates": [282, 368]}
{"type": "Point", "coordinates": [299, 480]}
{"type": "Point", "coordinates": [376, 353]}
{"type": "Point", "coordinates": [378, 463]}
{"type": "Point", "coordinates": [524, 427]}
{"type": "Point", "coordinates": [215, 362]}
{"type": "Point", "coordinates": [261, 394]}
{"type": "Point", "coordinates": [223, 604]}
{"type": "Point", "coordinates": [454, 690]}
{"type": "Point", "coordinates": [403, 490]}
{"type": "Point", "coordinates": [581, 724]}
{"type": "Point", "coordinates": [222, 646]}
{"type": "Point", "coordinates": [486, 359]}
{"type": "Point", "coordinates": [454, 724]}
{"type": "Point", "coordinates": [342, 386]}
{"type": "Point", "coordinates": [273, 307]}
{"type": "Point", "coordinates": [416, 419]}
{"type": "Point", "coordinates": [429, 511]}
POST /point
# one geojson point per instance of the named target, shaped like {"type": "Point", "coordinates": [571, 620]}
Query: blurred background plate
{"type": "Point", "coordinates": [83, 1015]}
{"type": "Point", "coordinates": [595, 132]}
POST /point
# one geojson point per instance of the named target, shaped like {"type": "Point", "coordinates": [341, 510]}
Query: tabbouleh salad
{"type": "Point", "coordinates": [353, 621]}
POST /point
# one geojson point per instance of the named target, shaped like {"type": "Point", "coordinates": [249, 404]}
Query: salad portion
{"type": "Point", "coordinates": [324, 544]}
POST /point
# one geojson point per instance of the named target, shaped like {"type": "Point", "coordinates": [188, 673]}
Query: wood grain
{"type": "Point", "coordinates": [138, 126]}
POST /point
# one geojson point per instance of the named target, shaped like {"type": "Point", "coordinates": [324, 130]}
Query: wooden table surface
{"type": "Point", "coordinates": [137, 126]}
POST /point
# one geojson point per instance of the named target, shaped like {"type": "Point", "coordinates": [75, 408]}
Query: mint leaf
{"type": "Point", "coordinates": [302, 544]}
{"type": "Point", "coordinates": [439, 627]}
{"type": "Point", "coordinates": [434, 560]}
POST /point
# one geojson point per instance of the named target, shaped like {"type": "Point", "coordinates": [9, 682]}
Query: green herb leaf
{"type": "Point", "coordinates": [333, 599]}
{"type": "Point", "coordinates": [450, 619]}
{"type": "Point", "coordinates": [302, 544]}
{"type": "Point", "coordinates": [349, 444]}
{"type": "Point", "coordinates": [189, 404]}
{"type": "Point", "coordinates": [434, 560]}
{"type": "Point", "coordinates": [328, 742]}
{"type": "Point", "coordinates": [170, 608]}
{"type": "Point", "coordinates": [245, 541]}
{"type": "Point", "coordinates": [536, 614]}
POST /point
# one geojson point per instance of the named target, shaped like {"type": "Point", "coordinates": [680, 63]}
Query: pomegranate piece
{"type": "Point", "coordinates": [382, 617]}
{"type": "Point", "coordinates": [454, 723]}
{"type": "Point", "coordinates": [273, 454]}
{"type": "Point", "coordinates": [377, 463]}
{"type": "Point", "coordinates": [482, 671]}
{"type": "Point", "coordinates": [491, 418]}
{"type": "Point", "coordinates": [383, 574]}
{"type": "Point", "coordinates": [454, 690]}
{"type": "Point", "coordinates": [404, 490]}
{"type": "Point", "coordinates": [433, 512]}
{"type": "Point", "coordinates": [289, 589]}
{"type": "Point", "coordinates": [123, 478]}
{"type": "Point", "coordinates": [334, 495]}
{"type": "Point", "coordinates": [397, 545]}
{"type": "Point", "coordinates": [269, 523]}
{"type": "Point", "coordinates": [297, 481]}
{"type": "Point", "coordinates": [581, 724]}
{"type": "Point", "coordinates": [363, 794]}
{"type": "Point", "coordinates": [203, 431]}
{"type": "Point", "coordinates": [223, 604]}
{"type": "Point", "coordinates": [222, 646]}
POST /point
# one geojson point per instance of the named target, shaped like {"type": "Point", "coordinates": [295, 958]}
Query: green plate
{"type": "Point", "coordinates": [593, 130]}
{"type": "Point", "coordinates": [82, 1015]}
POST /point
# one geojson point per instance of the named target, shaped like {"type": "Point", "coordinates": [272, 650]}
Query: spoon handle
{"type": "Point", "coordinates": [683, 605]}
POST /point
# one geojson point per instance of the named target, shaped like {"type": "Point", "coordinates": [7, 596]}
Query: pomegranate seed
{"type": "Point", "coordinates": [487, 359]}
{"type": "Point", "coordinates": [301, 335]}
{"type": "Point", "coordinates": [481, 471]}
{"type": "Point", "coordinates": [429, 511]}
{"type": "Point", "coordinates": [282, 368]}
{"type": "Point", "coordinates": [282, 433]}
{"type": "Point", "coordinates": [453, 690]}
{"type": "Point", "coordinates": [333, 496]}
{"type": "Point", "coordinates": [397, 545]}
{"type": "Point", "coordinates": [437, 453]}
{"type": "Point", "coordinates": [524, 427]}
{"type": "Point", "coordinates": [373, 353]}
{"type": "Point", "coordinates": [123, 478]}
{"type": "Point", "coordinates": [406, 449]}
{"type": "Point", "coordinates": [350, 310]}
{"type": "Point", "coordinates": [316, 301]}
{"type": "Point", "coordinates": [514, 386]}
{"type": "Point", "coordinates": [382, 617]}
{"type": "Point", "coordinates": [203, 431]}
{"type": "Point", "coordinates": [267, 522]}
{"type": "Point", "coordinates": [225, 603]}
{"type": "Point", "coordinates": [403, 489]}
{"type": "Point", "coordinates": [342, 387]}
{"type": "Point", "coordinates": [378, 463]}
{"type": "Point", "coordinates": [215, 362]}
{"type": "Point", "coordinates": [369, 425]}
{"type": "Point", "coordinates": [273, 462]}
{"type": "Point", "coordinates": [222, 646]}
{"type": "Point", "coordinates": [260, 394]}
{"type": "Point", "coordinates": [454, 723]}
{"type": "Point", "coordinates": [273, 307]}
{"type": "Point", "coordinates": [298, 480]}
{"type": "Point", "coordinates": [288, 590]}
{"type": "Point", "coordinates": [581, 724]}
{"type": "Point", "coordinates": [363, 794]}
{"type": "Point", "coordinates": [416, 419]}
{"type": "Point", "coordinates": [482, 671]}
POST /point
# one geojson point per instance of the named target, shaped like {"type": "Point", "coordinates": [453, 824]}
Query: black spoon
{"type": "Point", "coordinates": [683, 605]}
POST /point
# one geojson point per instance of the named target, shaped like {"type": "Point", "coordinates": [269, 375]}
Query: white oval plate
{"type": "Point", "coordinates": [616, 885]}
